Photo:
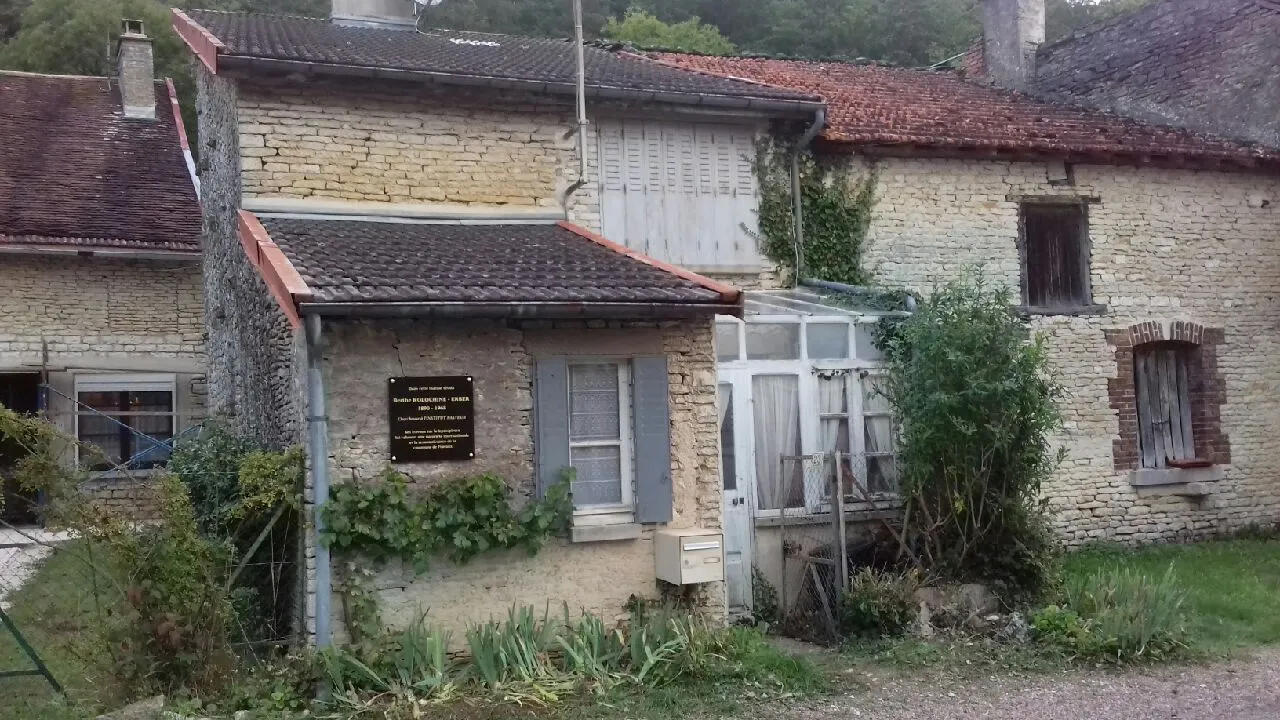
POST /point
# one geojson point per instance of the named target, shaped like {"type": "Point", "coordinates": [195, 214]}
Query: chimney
{"type": "Point", "coordinates": [1013, 30]}
{"type": "Point", "coordinates": [135, 70]}
{"type": "Point", "coordinates": [387, 14]}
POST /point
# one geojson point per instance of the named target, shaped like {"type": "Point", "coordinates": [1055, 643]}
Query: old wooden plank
{"type": "Point", "coordinates": [1173, 404]}
{"type": "Point", "coordinates": [1184, 399]}
{"type": "Point", "coordinates": [1146, 413]}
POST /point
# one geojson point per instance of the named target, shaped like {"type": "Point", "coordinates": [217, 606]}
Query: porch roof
{"type": "Point", "coordinates": [818, 301]}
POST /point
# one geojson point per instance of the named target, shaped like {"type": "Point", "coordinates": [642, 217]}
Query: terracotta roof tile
{"type": "Point", "coordinates": [75, 172]}
{"type": "Point", "coordinates": [940, 110]}
{"type": "Point", "coordinates": [349, 261]}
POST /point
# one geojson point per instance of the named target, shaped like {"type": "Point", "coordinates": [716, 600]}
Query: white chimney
{"type": "Point", "coordinates": [1013, 30]}
{"type": "Point", "coordinates": [135, 70]}
{"type": "Point", "coordinates": [374, 13]}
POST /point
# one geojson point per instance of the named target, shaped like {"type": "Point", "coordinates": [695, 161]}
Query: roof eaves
{"type": "Point", "coordinates": [201, 41]}
{"type": "Point", "coordinates": [275, 269]}
{"type": "Point", "coordinates": [34, 245]}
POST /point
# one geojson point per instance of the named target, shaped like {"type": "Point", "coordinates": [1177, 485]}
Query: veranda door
{"type": "Point", "coordinates": [735, 444]}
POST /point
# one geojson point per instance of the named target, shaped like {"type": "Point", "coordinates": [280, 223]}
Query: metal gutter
{"type": "Point", "coordinates": [122, 254]}
{"type": "Point", "coordinates": [318, 459]}
{"type": "Point", "coordinates": [819, 122]}
{"type": "Point", "coordinates": [520, 310]}
{"type": "Point", "coordinates": [725, 102]}
{"type": "Point", "coordinates": [397, 212]}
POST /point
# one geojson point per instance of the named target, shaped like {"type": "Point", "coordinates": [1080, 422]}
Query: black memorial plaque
{"type": "Point", "coordinates": [432, 419]}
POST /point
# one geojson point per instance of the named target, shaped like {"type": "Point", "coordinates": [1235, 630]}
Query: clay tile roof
{"type": "Point", "coordinates": [940, 110]}
{"type": "Point", "coordinates": [75, 172]}
{"type": "Point", "coordinates": [460, 55]}
{"type": "Point", "coordinates": [351, 261]}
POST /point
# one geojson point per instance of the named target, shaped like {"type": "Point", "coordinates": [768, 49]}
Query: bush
{"type": "Point", "coordinates": [1117, 615]}
{"type": "Point", "coordinates": [878, 604]}
{"type": "Point", "coordinates": [971, 386]}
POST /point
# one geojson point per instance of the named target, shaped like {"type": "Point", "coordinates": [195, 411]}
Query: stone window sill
{"type": "Point", "coordinates": [1068, 311]}
{"type": "Point", "coordinates": [1188, 482]}
{"type": "Point", "coordinates": [606, 533]}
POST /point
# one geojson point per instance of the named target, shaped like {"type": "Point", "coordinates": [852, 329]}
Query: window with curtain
{"type": "Point", "coordinates": [728, 460]}
{"type": "Point", "coordinates": [129, 422]}
{"type": "Point", "coordinates": [599, 435]}
{"type": "Point", "coordinates": [779, 470]}
{"type": "Point", "coordinates": [877, 419]}
{"type": "Point", "coordinates": [833, 413]}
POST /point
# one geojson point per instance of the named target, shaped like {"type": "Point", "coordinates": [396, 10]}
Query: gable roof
{"type": "Point", "coordinates": [222, 38]}
{"type": "Point", "coordinates": [74, 172]}
{"type": "Point", "coordinates": [516, 269]}
{"type": "Point", "coordinates": [898, 110]}
{"type": "Point", "coordinates": [1206, 63]}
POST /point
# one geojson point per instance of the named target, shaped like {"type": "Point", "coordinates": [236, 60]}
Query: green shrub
{"type": "Point", "coordinates": [878, 604]}
{"type": "Point", "coordinates": [764, 598]}
{"type": "Point", "coordinates": [1117, 615]}
{"type": "Point", "coordinates": [972, 388]}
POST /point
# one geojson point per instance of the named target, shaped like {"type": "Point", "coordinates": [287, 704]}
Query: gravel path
{"type": "Point", "coordinates": [1245, 689]}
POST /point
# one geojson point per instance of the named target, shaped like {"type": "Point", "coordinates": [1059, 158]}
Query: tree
{"type": "Point", "coordinates": [643, 30]}
{"type": "Point", "coordinates": [1068, 16]}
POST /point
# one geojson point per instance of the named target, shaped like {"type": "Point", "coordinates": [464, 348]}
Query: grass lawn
{"type": "Point", "coordinates": [53, 610]}
{"type": "Point", "coordinates": [1232, 586]}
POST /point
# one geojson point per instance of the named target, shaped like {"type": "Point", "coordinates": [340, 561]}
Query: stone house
{"type": "Point", "coordinates": [388, 206]}
{"type": "Point", "coordinates": [101, 323]}
{"type": "Point", "coordinates": [1146, 253]}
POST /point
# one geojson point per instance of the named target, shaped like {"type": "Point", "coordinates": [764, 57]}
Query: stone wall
{"type": "Point", "coordinates": [253, 375]}
{"type": "Point", "coordinates": [599, 577]}
{"type": "Point", "coordinates": [1207, 65]}
{"type": "Point", "coordinates": [1167, 246]}
{"type": "Point", "coordinates": [411, 143]}
{"type": "Point", "coordinates": [101, 308]}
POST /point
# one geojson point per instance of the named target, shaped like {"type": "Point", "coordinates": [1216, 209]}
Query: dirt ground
{"type": "Point", "coordinates": [1244, 689]}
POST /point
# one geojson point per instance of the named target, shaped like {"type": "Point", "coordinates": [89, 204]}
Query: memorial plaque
{"type": "Point", "coordinates": [432, 419]}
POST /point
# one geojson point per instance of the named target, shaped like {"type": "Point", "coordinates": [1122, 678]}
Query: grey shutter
{"type": "Point", "coordinates": [652, 431]}
{"type": "Point", "coordinates": [550, 422]}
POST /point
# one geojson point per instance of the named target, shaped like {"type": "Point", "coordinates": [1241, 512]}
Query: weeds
{"type": "Point", "coordinates": [878, 604]}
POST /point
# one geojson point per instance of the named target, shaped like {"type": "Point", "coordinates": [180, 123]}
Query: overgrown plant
{"type": "Point", "coordinates": [878, 604]}
{"type": "Point", "coordinates": [970, 384]}
{"type": "Point", "coordinates": [459, 519]}
{"type": "Point", "coordinates": [1117, 615]}
{"type": "Point", "coordinates": [837, 215]}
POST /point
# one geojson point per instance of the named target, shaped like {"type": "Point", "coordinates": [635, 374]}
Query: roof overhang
{"type": "Point", "coordinates": [89, 251]}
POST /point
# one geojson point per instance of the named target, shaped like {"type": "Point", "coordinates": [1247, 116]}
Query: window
{"type": "Point", "coordinates": [1161, 372]}
{"type": "Point", "coordinates": [827, 341]}
{"type": "Point", "coordinates": [728, 458]}
{"type": "Point", "coordinates": [1055, 256]}
{"type": "Point", "coordinates": [129, 418]}
{"type": "Point", "coordinates": [773, 341]}
{"type": "Point", "coordinates": [878, 431]}
{"type": "Point", "coordinates": [727, 341]}
{"type": "Point", "coordinates": [600, 436]}
{"type": "Point", "coordinates": [779, 465]}
{"type": "Point", "coordinates": [833, 418]}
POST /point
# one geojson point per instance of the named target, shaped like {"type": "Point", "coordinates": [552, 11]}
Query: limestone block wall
{"type": "Point", "coordinates": [598, 577]}
{"type": "Point", "coordinates": [100, 308]}
{"type": "Point", "coordinates": [1167, 246]}
{"type": "Point", "coordinates": [411, 143]}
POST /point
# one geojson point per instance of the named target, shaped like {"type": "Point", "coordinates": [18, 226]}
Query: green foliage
{"type": "Point", "coordinates": [764, 598]}
{"type": "Point", "coordinates": [1118, 615]}
{"type": "Point", "coordinates": [837, 216]}
{"type": "Point", "coordinates": [642, 30]}
{"type": "Point", "coordinates": [209, 465]}
{"type": "Point", "coordinates": [459, 519]}
{"type": "Point", "coordinates": [972, 389]}
{"type": "Point", "coordinates": [878, 604]}
{"type": "Point", "coordinates": [268, 480]}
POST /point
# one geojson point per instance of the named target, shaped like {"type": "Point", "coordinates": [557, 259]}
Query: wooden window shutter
{"type": "Point", "coordinates": [1056, 256]}
{"type": "Point", "coordinates": [651, 430]}
{"type": "Point", "coordinates": [1164, 405]}
{"type": "Point", "coordinates": [550, 422]}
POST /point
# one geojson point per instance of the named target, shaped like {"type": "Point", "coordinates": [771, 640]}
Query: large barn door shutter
{"type": "Point", "coordinates": [550, 422]}
{"type": "Point", "coordinates": [652, 430]}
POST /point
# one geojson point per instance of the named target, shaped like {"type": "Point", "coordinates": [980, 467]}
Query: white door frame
{"type": "Point", "coordinates": [739, 502]}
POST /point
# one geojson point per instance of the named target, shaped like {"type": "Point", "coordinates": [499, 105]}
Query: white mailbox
{"type": "Point", "coordinates": [689, 557]}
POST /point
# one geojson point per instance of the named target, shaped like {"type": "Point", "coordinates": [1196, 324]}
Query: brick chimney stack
{"type": "Point", "coordinates": [135, 70]}
{"type": "Point", "coordinates": [1013, 30]}
{"type": "Point", "coordinates": [374, 13]}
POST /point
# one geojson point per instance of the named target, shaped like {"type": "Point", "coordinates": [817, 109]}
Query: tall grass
{"type": "Point", "coordinates": [1118, 614]}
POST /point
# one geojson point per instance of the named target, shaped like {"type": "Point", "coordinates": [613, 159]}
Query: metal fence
{"type": "Point", "coordinates": [827, 528]}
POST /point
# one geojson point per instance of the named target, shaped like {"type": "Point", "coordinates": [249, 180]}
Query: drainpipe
{"type": "Point", "coordinates": [318, 425]}
{"type": "Point", "coordinates": [819, 123]}
{"type": "Point", "coordinates": [580, 40]}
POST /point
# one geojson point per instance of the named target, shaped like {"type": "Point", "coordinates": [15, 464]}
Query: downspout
{"type": "Point", "coordinates": [318, 425]}
{"type": "Point", "coordinates": [580, 39]}
{"type": "Point", "coordinates": [819, 123]}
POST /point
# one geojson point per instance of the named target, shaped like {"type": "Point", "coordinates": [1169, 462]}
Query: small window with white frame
{"type": "Point", "coordinates": [600, 444]}
{"type": "Point", "coordinates": [878, 437]}
{"type": "Point", "coordinates": [127, 420]}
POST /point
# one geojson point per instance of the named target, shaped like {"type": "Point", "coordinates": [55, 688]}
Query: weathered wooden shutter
{"type": "Point", "coordinates": [1164, 406]}
{"type": "Point", "coordinates": [1057, 256]}
{"type": "Point", "coordinates": [651, 429]}
{"type": "Point", "coordinates": [550, 422]}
